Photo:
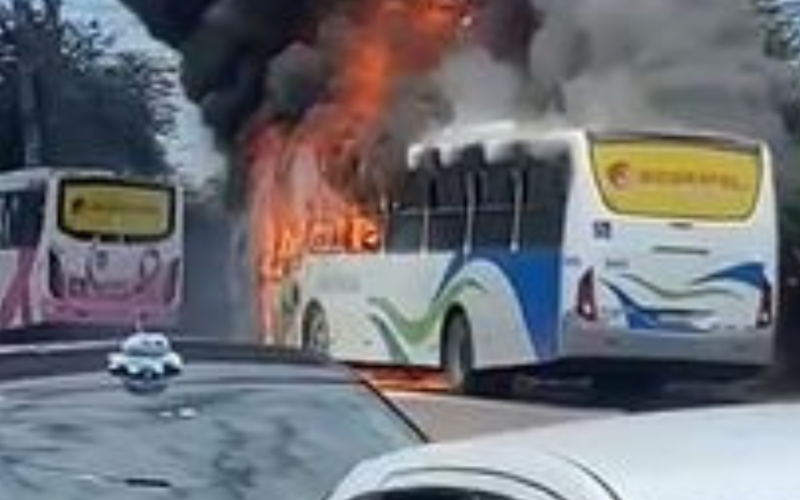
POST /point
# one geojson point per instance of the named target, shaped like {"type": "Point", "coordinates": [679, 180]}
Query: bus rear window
{"type": "Point", "coordinates": [116, 210]}
{"type": "Point", "coordinates": [671, 178]}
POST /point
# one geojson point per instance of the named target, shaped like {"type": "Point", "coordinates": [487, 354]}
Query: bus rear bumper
{"type": "Point", "coordinates": [70, 313]}
{"type": "Point", "coordinates": [754, 348]}
{"type": "Point", "coordinates": [668, 370]}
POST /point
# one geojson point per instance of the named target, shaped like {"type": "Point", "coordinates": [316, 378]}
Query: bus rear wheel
{"type": "Point", "coordinates": [316, 333]}
{"type": "Point", "coordinates": [458, 360]}
{"type": "Point", "coordinates": [458, 355]}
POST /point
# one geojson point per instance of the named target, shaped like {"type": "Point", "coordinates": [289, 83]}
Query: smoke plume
{"type": "Point", "coordinates": [479, 87]}
{"type": "Point", "coordinates": [640, 63]}
{"type": "Point", "coordinates": [604, 62]}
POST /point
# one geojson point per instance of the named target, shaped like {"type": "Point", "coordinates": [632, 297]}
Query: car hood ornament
{"type": "Point", "coordinates": [145, 363]}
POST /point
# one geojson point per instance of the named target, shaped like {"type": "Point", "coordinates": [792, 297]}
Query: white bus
{"type": "Point", "coordinates": [573, 253]}
{"type": "Point", "coordinates": [83, 249]}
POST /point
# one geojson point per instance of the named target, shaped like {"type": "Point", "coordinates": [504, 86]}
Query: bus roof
{"type": "Point", "coordinates": [45, 173]}
{"type": "Point", "coordinates": [490, 135]}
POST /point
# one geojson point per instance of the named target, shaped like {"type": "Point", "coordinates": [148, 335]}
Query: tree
{"type": "Point", "coordinates": [93, 107]}
{"type": "Point", "coordinates": [781, 24]}
{"type": "Point", "coordinates": [781, 33]}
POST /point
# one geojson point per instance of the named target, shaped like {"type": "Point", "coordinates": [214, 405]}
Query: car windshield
{"type": "Point", "coordinates": [274, 441]}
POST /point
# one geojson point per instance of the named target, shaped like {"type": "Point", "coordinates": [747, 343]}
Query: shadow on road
{"type": "Point", "coordinates": [582, 395]}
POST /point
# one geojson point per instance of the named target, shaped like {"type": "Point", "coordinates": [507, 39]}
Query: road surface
{"type": "Point", "coordinates": [450, 417]}
{"type": "Point", "coordinates": [446, 417]}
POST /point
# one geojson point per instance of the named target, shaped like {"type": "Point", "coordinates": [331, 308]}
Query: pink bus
{"type": "Point", "coordinates": [86, 249]}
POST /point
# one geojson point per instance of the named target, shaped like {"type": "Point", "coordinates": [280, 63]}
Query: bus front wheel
{"type": "Point", "coordinates": [316, 333]}
{"type": "Point", "coordinates": [458, 356]}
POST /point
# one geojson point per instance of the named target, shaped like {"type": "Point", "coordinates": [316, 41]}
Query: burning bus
{"type": "Point", "coordinates": [487, 247]}
{"type": "Point", "coordinates": [578, 252]}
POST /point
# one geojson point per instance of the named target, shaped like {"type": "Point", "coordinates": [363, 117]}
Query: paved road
{"type": "Point", "coordinates": [447, 417]}
{"type": "Point", "coordinates": [450, 417]}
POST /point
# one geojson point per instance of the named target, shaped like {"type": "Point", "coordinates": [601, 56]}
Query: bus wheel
{"type": "Point", "coordinates": [316, 334]}
{"type": "Point", "coordinates": [458, 356]}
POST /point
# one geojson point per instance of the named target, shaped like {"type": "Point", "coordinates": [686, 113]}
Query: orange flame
{"type": "Point", "coordinates": [301, 177]}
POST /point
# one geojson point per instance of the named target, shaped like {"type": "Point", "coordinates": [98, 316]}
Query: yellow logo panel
{"type": "Point", "coordinates": [117, 210]}
{"type": "Point", "coordinates": [677, 179]}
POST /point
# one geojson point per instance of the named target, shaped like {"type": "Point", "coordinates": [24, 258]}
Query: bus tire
{"type": "Point", "coordinates": [458, 356]}
{"type": "Point", "coordinates": [316, 333]}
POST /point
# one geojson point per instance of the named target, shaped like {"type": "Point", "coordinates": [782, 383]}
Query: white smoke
{"type": "Point", "coordinates": [479, 87]}
{"type": "Point", "coordinates": [637, 63]}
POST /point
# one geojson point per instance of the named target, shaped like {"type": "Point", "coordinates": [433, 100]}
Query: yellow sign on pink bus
{"type": "Point", "coordinates": [116, 210]}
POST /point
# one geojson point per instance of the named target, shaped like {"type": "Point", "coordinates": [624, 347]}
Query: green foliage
{"type": "Point", "coordinates": [96, 106]}
{"type": "Point", "coordinates": [779, 20]}
{"type": "Point", "coordinates": [781, 33]}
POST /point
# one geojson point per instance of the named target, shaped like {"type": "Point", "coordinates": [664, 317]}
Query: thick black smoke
{"type": "Point", "coordinates": [242, 56]}
{"type": "Point", "coordinates": [227, 47]}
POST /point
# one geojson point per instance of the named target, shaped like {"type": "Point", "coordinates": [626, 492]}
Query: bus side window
{"type": "Point", "coordinates": [448, 215]}
{"type": "Point", "coordinates": [494, 212]}
{"type": "Point", "coordinates": [22, 218]}
{"type": "Point", "coordinates": [545, 183]}
{"type": "Point", "coordinates": [406, 216]}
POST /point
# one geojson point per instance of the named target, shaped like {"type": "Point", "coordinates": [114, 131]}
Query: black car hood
{"type": "Point", "coordinates": [222, 430]}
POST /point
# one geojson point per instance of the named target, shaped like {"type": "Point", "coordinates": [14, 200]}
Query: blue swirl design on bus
{"type": "Point", "coordinates": [749, 273]}
{"type": "Point", "coordinates": [535, 278]}
{"type": "Point", "coordinates": [642, 317]}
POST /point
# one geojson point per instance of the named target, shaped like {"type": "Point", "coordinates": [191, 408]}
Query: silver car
{"type": "Point", "coordinates": [732, 453]}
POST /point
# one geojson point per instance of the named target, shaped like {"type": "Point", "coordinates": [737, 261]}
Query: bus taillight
{"type": "Point", "coordinates": [765, 314]}
{"type": "Point", "coordinates": [56, 278]}
{"type": "Point", "coordinates": [172, 281]}
{"type": "Point", "coordinates": [587, 304]}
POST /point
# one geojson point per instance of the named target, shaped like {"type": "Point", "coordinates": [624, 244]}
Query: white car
{"type": "Point", "coordinates": [734, 453]}
{"type": "Point", "coordinates": [145, 363]}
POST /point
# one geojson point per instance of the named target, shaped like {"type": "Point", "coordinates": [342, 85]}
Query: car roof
{"type": "Point", "coordinates": [746, 451]}
{"type": "Point", "coordinates": [57, 359]}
